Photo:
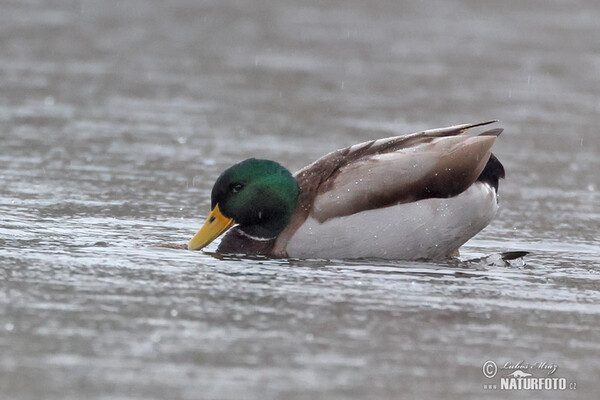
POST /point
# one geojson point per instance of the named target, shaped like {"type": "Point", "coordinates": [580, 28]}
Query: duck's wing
{"type": "Point", "coordinates": [378, 173]}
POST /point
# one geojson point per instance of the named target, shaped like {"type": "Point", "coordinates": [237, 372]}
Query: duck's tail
{"type": "Point", "coordinates": [492, 172]}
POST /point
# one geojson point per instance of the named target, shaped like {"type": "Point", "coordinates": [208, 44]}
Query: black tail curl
{"type": "Point", "coordinates": [493, 172]}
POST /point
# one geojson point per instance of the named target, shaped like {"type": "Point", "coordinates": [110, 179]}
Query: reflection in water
{"type": "Point", "coordinates": [116, 118]}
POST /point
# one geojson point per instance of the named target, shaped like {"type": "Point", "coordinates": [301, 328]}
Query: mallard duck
{"type": "Point", "coordinates": [416, 196]}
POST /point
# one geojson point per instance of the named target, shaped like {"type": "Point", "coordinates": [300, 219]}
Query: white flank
{"type": "Point", "coordinates": [426, 229]}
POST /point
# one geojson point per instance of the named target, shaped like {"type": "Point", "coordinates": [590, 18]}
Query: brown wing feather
{"type": "Point", "coordinates": [440, 167]}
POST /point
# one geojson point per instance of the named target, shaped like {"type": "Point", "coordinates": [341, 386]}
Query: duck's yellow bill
{"type": "Point", "coordinates": [215, 224]}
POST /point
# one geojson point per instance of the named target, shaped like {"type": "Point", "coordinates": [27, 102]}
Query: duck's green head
{"type": "Point", "coordinates": [259, 195]}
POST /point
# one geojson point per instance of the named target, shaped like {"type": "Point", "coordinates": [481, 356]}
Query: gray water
{"type": "Point", "coordinates": [117, 116]}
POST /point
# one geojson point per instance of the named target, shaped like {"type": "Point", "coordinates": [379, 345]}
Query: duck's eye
{"type": "Point", "coordinates": [237, 187]}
